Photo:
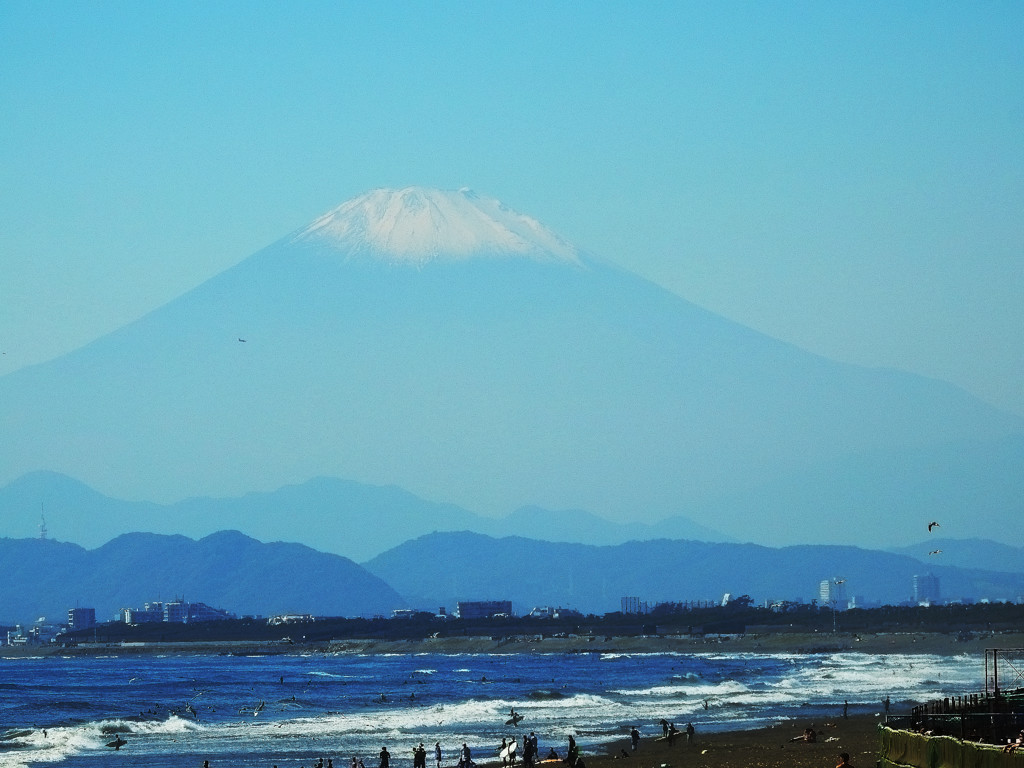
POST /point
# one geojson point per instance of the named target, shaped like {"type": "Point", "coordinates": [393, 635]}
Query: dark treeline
{"type": "Point", "coordinates": [665, 619]}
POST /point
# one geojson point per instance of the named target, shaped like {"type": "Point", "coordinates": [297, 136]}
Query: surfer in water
{"type": "Point", "coordinates": [117, 743]}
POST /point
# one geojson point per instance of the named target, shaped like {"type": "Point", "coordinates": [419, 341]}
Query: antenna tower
{"type": "Point", "coordinates": [42, 523]}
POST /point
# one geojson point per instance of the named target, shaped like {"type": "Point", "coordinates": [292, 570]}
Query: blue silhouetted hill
{"type": "Point", "coordinates": [225, 570]}
{"type": "Point", "coordinates": [440, 568]}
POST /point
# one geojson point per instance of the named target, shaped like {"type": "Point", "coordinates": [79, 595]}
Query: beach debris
{"type": "Point", "coordinates": [935, 552]}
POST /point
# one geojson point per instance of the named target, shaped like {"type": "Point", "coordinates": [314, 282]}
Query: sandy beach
{"type": "Point", "coordinates": [764, 747]}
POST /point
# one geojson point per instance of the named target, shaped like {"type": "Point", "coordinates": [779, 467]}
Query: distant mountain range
{"type": "Point", "coordinates": [442, 567]}
{"type": "Point", "coordinates": [225, 570]}
{"type": "Point", "coordinates": [232, 571]}
{"type": "Point", "coordinates": [343, 517]}
{"type": "Point", "coordinates": [968, 553]}
{"type": "Point", "coordinates": [439, 342]}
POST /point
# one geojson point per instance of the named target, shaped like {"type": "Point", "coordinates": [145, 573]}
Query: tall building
{"type": "Point", "coordinates": [81, 618]}
{"type": "Point", "coordinates": [926, 589]}
{"type": "Point", "coordinates": [832, 592]}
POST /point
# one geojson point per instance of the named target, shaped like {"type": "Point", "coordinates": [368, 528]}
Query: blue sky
{"type": "Point", "coordinates": [847, 177]}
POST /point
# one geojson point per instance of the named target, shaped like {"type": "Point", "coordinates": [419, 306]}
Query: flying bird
{"type": "Point", "coordinates": [933, 524]}
{"type": "Point", "coordinates": [242, 340]}
{"type": "Point", "coordinates": [935, 552]}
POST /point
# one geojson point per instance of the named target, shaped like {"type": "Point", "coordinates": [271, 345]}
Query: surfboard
{"type": "Point", "coordinates": [509, 751]}
{"type": "Point", "coordinates": [117, 743]}
{"type": "Point", "coordinates": [514, 720]}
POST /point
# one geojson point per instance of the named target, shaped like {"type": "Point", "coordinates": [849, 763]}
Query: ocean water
{"type": "Point", "coordinates": [175, 711]}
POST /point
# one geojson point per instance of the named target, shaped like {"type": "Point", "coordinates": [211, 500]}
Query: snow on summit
{"type": "Point", "coordinates": [416, 225]}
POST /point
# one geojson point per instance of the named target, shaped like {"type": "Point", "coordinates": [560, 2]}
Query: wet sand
{"type": "Point", "coordinates": [764, 747]}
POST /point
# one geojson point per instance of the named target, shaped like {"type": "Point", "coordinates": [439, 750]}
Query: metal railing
{"type": "Point", "coordinates": [993, 719]}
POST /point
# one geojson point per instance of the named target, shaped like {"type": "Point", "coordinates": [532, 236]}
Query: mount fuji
{"type": "Point", "coordinates": [438, 341]}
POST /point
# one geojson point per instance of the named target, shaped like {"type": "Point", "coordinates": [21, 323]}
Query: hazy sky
{"type": "Point", "coordinates": [848, 177]}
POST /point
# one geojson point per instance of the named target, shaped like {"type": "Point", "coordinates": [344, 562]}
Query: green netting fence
{"type": "Point", "coordinates": [905, 749]}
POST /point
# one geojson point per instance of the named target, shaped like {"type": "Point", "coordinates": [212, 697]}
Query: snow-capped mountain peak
{"type": "Point", "coordinates": [416, 225]}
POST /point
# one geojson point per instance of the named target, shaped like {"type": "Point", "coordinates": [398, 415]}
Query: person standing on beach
{"type": "Point", "coordinates": [689, 733]}
{"type": "Point", "coordinates": [437, 753]}
{"type": "Point", "coordinates": [573, 753]}
{"type": "Point", "coordinates": [664, 727]}
{"type": "Point", "coordinates": [385, 757]}
{"type": "Point", "coordinates": [634, 737]}
{"type": "Point", "coordinates": [846, 707]}
{"type": "Point", "coordinates": [885, 704]}
{"type": "Point", "coordinates": [528, 756]}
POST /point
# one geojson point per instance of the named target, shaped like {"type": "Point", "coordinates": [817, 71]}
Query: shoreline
{"type": "Point", "coordinates": [945, 644]}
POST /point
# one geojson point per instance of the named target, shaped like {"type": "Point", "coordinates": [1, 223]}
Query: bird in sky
{"type": "Point", "coordinates": [242, 340]}
{"type": "Point", "coordinates": [933, 524]}
{"type": "Point", "coordinates": [935, 552]}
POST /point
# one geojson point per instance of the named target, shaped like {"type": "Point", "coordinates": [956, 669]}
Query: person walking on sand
{"type": "Point", "coordinates": [573, 754]}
